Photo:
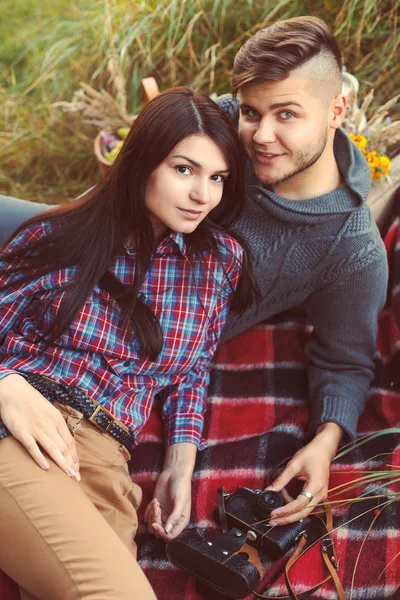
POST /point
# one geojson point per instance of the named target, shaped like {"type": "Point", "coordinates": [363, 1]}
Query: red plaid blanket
{"type": "Point", "coordinates": [257, 416]}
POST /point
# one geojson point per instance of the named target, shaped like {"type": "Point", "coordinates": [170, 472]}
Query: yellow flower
{"type": "Point", "coordinates": [360, 141]}
{"type": "Point", "coordinates": [385, 164]}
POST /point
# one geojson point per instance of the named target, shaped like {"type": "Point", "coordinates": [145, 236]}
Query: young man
{"type": "Point", "coordinates": [312, 236]}
{"type": "Point", "coordinates": [313, 239]}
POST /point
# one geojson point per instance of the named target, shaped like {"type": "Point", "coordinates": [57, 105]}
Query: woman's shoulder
{"type": "Point", "coordinates": [230, 249]}
{"type": "Point", "coordinates": [26, 234]}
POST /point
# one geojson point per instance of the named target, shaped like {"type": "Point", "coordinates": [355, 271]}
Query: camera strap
{"type": "Point", "coordinates": [328, 552]}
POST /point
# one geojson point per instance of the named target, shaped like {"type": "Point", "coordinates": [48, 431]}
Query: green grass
{"type": "Point", "coordinates": [47, 48]}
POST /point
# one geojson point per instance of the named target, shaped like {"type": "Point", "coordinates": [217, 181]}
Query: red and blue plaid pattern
{"type": "Point", "coordinates": [191, 300]}
{"type": "Point", "coordinates": [257, 416]}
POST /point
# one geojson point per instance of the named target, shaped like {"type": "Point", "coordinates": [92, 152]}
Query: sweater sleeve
{"type": "Point", "coordinates": [342, 347]}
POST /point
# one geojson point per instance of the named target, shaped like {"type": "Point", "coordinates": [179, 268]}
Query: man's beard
{"type": "Point", "coordinates": [304, 161]}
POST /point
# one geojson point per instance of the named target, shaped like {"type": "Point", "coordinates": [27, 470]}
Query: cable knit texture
{"type": "Point", "coordinates": [326, 254]}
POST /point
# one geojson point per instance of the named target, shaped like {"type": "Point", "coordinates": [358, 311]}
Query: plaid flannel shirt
{"type": "Point", "coordinates": [191, 300]}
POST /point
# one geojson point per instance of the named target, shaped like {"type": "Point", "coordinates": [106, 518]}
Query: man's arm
{"type": "Point", "coordinates": [341, 368]}
{"type": "Point", "coordinates": [342, 346]}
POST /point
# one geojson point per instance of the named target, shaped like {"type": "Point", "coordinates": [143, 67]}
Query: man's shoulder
{"type": "Point", "coordinates": [230, 104]}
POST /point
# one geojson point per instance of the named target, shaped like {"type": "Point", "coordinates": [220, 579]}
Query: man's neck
{"type": "Point", "coordinates": [323, 177]}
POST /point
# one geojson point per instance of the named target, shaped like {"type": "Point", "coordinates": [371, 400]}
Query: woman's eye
{"type": "Point", "coordinates": [286, 115]}
{"type": "Point", "coordinates": [183, 170]}
{"type": "Point", "coordinates": [218, 178]}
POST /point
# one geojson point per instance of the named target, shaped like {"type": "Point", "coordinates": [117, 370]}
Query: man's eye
{"type": "Point", "coordinates": [183, 170]}
{"type": "Point", "coordinates": [252, 114]}
{"type": "Point", "coordinates": [286, 115]}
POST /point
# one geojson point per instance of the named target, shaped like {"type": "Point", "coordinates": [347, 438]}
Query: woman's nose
{"type": "Point", "coordinates": [199, 192]}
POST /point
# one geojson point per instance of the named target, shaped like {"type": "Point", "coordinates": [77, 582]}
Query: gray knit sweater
{"type": "Point", "coordinates": [326, 254]}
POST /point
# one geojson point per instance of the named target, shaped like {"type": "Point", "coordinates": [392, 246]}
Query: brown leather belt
{"type": "Point", "coordinates": [73, 396]}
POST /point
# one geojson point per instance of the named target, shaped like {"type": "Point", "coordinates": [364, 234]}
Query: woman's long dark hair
{"type": "Point", "coordinates": [89, 232]}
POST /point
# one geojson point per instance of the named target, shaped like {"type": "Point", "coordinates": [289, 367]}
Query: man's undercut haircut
{"type": "Point", "coordinates": [274, 52]}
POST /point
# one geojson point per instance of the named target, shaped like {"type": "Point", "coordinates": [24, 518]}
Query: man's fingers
{"type": "Point", "coordinates": [283, 479]}
{"type": "Point", "coordinates": [296, 510]}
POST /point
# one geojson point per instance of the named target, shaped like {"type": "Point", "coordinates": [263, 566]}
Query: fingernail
{"type": "Point", "coordinates": [77, 476]}
{"type": "Point", "coordinates": [168, 528]}
{"type": "Point", "coordinates": [77, 466]}
{"type": "Point", "coordinates": [44, 464]}
{"type": "Point", "coordinates": [273, 523]}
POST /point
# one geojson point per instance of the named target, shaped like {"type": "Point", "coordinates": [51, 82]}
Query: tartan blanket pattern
{"type": "Point", "coordinates": [257, 416]}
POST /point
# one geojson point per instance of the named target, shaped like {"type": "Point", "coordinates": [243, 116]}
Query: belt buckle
{"type": "Point", "coordinates": [98, 409]}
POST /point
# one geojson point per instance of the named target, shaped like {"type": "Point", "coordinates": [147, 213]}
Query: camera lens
{"type": "Point", "coordinates": [267, 502]}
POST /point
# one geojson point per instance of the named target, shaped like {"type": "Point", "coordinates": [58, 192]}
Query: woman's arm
{"type": "Point", "coordinates": [28, 416]}
{"type": "Point", "coordinates": [183, 415]}
{"type": "Point", "coordinates": [169, 512]}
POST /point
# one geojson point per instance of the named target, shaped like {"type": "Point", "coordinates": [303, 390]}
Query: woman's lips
{"type": "Point", "coordinates": [191, 215]}
{"type": "Point", "coordinates": [268, 158]}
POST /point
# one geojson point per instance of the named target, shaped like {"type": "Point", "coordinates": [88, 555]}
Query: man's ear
{"type": "Point", "coordinates": [337, 111]}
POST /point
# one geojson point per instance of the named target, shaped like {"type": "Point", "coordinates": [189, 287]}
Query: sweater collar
{"type": "Point", "coordinates": [348, 197]}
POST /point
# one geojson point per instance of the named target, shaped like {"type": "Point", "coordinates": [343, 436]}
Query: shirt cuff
{"type": "Point", "coordinates": [4, 371]}
{"type": "Point", "coordinates": [184, 428]}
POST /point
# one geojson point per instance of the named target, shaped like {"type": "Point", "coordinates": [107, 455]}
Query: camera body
{"type": "Point", "coordinates": [249, 510]}
{"type": "Point", "coordinates": [225, 561]}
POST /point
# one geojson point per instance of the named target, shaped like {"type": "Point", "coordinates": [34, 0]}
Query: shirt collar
{"type": "Point", "coordinates": [172, 242]}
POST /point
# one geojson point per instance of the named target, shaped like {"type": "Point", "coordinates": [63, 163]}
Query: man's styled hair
{"type": "Point", "coordinates": [274, 52]}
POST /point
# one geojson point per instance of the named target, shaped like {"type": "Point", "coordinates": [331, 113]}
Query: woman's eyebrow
{"type": "Point", "coordinates": [196, 164]}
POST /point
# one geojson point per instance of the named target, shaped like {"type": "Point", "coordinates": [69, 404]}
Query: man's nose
{"type": "Point", "coordinates": [265, 133]}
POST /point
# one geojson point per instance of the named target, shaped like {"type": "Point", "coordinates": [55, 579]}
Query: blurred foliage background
{"type": "Point", "coordinates": [48, 47]}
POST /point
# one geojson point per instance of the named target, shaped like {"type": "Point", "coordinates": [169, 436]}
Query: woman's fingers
{"type": "Point", "coordinates": [69, 445]}
{"type": "Point", "coordinates": [152, 516]}
{"type": "Point", "coordinates": [53, 444]}
{"type": "Point", "coordinates": [32, 447]}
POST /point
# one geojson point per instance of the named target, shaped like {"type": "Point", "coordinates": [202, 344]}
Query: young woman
{"type": "Point", "coordinates": [103, 304]}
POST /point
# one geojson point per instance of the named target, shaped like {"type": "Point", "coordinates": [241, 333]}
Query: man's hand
{"type": "Point", "coordinates": [311, 464]}
{"type": "Point", "coordinates": [36, 423]}
{"type": "Point", "coordinates": [169, 512]}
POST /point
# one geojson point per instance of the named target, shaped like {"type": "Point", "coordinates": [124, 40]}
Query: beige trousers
{"type": "Point", "coordinates": [63, 540]}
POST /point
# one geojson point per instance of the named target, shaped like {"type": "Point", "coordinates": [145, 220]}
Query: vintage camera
{"type": "Point", "coordinates": [224, 561]}
{"type": "Point", "coordinates": [250, 510]}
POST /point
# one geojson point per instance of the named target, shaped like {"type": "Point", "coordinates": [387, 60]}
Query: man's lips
{"type": "Point", "coordinates": [192, 215]}
{"type": "Point", "coordinates": [267, 158]}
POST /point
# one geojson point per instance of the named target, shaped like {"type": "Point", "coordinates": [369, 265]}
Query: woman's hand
{"type": "Point", "coordinates": [311, 464]}
{"type": "Point", "coordinates": [34, 422]}
{"type": "Point", "coordinates": [169, 512]}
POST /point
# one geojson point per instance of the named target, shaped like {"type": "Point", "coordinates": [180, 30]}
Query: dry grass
{"type": "Point", "coordinates": [47, 154]}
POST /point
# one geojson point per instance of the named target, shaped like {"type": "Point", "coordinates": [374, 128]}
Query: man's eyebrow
{"type": "Point", "coordinates": [287, 103]}
{"type": "Point", "coordinates": [196, 164]}
{"type": "Point", "coordinates": [273, 106]}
